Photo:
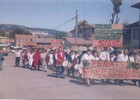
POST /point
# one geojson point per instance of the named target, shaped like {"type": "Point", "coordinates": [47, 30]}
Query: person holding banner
{"type": "Point", "coordinates": [87, 56]}
{"type": "Point", "coordinates": [137, 60]}
{"type": "Point", "coordinates": [123, 57]}
{"type": "Point", "coordinates": [105, 56]}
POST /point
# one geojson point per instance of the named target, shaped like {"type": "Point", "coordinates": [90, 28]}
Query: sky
{"type": "Point", "coordinates": [52, 13]}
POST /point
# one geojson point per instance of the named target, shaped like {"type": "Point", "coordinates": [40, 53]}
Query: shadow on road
{"type": "Point", "coordinates": [78, 82]}
{"type": "Point", "coordinates": [98, 82]}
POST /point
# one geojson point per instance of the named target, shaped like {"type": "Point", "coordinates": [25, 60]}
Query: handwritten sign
{"type": "Point", "coordinates": [110, 70]}
{"type": "Point", "coordinates": [108, 35]}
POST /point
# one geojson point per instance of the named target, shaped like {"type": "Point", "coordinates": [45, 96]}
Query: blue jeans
{"type": "Point", "coordinates": [71, 70]}
{"type": "Point", "coordinates": [59, 71]}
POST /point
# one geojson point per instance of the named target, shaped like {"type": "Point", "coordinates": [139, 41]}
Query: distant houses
{"type": "Point", "coordinates": [37, 42]}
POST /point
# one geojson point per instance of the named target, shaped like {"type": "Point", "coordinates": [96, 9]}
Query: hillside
{"type": "Point", "coordinates": [12, 27]}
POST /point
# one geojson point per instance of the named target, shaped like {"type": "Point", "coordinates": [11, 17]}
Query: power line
{"type": "Point", "coordinates": [81, 14]}
{"type": "Point", "coordinates": [34, 8]}
{"type": "Point", "coordinates": [65, 23]}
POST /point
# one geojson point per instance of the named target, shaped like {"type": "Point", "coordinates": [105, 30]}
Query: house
{"type": "Point", "coordinates": [21, 40]}
{"type": "Point", "coordinates": [85, 30]}
{"type": "Point", "coordinates": [3, 39]}
{"type": "Point", "coordinates": [70, 42]}
{"type": "Point", "coordinates": [132, 31]}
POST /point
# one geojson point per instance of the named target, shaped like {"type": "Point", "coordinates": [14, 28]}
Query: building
{"type": "Point", "coordinates": [85, 30]}
{"type": "Point", "coordinates": [21, 40]}
{"type": "Point", "coordinates": [70, 42]}
{"type": "Point", "coordinates": [132, 32]}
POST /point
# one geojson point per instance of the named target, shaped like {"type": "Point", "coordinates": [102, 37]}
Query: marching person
{"type": "Point", "coordinates": [60, 57]}
{"type": "Point", "coordinates": [1, 59]}
{"type": "Point", "coordinates": [70, 58]}
{"type": "Point", "coordinates": [36, 59]}
{"type": "Point", "coordinates": [105, 53]}
{"type": "Point", "coordinates": [43, 60]}
{"type": "Point", "coordinates": [137, 60]}
{"type": "Point", "coordinates": [137, 57]}
{"type": "Point", "coordinates": [17, 59]}
{"type": "Point", "coordinates": [131, 57]}
{"type": "Point", "coordinates": [105, 56]}
{"type": "Point", "coordinates": [87, 56]}
{"type": "Point", "coordinates": [51, 60]}
{"type": "Point", "coordinates": [79, 64]}
{"type": "Point", "coordinates": [123, 57]}
{"type": "Point", "coordinates": [25, 59]}
{"type": "Point", "coordinates": [30, 58]}
{"type": "Point", "coordinates": [95, 55]}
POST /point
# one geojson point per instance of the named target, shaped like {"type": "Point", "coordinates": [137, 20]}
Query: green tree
{"type": "Point", "coordinates": [2, 33]}
{"type": "Point", "coordinates": [20, 31]}
{"type": "Point", "coordinates": [116, 10]}
{"type": "Point", "coordinates": [61, 35]}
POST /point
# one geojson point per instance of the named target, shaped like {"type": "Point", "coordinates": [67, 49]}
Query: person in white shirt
{"type": "Point", "coordinates": [112, 56]}
{"type": "Point", "coordinates": [87, 56]}
{"type": "Point", "coordinates": [123, 57]}
{"type": "Point", "coordinates": [17, 59]}
{"type": "Point", "coordinates": [51, 60]}
{"type": "Point", "coordinates": [137, 57]}
{"type": "Point", "coordinates": [95, 55]}
{"type": "Point", "coordinates": [131, 57]}
{"type": "Point", "coordinates": [30, 58]}
{"type": "Point", "coordinates": [105, 54]}
{"type": "Point", "coordinates": [43, 60]}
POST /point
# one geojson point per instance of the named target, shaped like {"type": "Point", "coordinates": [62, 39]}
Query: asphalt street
{"type": "Point", "coordinates": [21, 83]}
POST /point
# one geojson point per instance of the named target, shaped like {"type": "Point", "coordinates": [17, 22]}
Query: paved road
{"type": "Point", "coordinates": [20, 83]}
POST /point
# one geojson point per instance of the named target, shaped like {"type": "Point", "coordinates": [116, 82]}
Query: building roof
{"type": "Point", "coordinates": [43, 40]}
{"type": "Point", "coordinates": [135, 24]}
{"type": "Point", "coordinates": [1, 37]}
{"type": "Point", "coordinates": [29, 43]}
{"type": "Point", "coordinates": [18, 36]}
{"type": "Point", "coordinates": [80, 41]}
{"type": "Point", "coordinates": [137, 5]}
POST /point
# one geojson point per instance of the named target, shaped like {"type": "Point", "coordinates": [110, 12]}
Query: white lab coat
{"type": "Point", "coordinates": [31, 59]}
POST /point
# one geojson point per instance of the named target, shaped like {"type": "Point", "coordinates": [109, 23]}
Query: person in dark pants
{"type": "Point", "coordinates": [17, 60]}
{"type": "Point", "coordinates": [60, 57]}
{"type": "Point", "coordinates": [1, 59]}
{"type": "Point", "coordinates": [70, 58]}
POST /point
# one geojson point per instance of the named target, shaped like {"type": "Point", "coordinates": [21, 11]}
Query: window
{"type": "Point", "coordinates": [136, 33]}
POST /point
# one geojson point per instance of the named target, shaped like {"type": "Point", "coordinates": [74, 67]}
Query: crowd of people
{"type": "Point", "coordinates": [40, 59]}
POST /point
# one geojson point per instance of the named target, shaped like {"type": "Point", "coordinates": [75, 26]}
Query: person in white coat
{"type": "Point", "coordinates": [105, 56]}
{"type": "Point", "coordinates": [51, 60]}
{"type": "Point", "coordinates": [105, 53]}
{"type": "Point", "coordinates": [30, 58]}
{"type": "Point", "coordinates": [123, 57]}
{"type": "Point", "coordinates": [87, 56]}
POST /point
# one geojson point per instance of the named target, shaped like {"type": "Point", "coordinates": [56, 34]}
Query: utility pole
{"type": "Point", "coordinates": [76, 27]}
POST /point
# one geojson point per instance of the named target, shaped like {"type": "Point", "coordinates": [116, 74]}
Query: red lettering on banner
{"type": "Point", "coordinates": [112, 43]}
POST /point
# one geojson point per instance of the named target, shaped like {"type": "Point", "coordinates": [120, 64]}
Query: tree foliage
{"type": "Point", "coordinates": [116, 10]}
{"type": "Point", "coordinates": [19, 31]}
{"type": "Point", "coordinates": [2, 33]}
{"type": "Point", "coordinates": [61, 35]}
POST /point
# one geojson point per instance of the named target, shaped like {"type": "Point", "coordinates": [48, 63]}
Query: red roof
{"type": "Point", "coordinates": [80, 41]}
{"type": "Point", "coordinates": [18, 36]}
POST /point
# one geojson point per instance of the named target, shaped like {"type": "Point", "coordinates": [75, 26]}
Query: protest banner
{"type": "Point", "coordinates": [110, 70]}
{"type": "Point", "coordinates": [108, 35]}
